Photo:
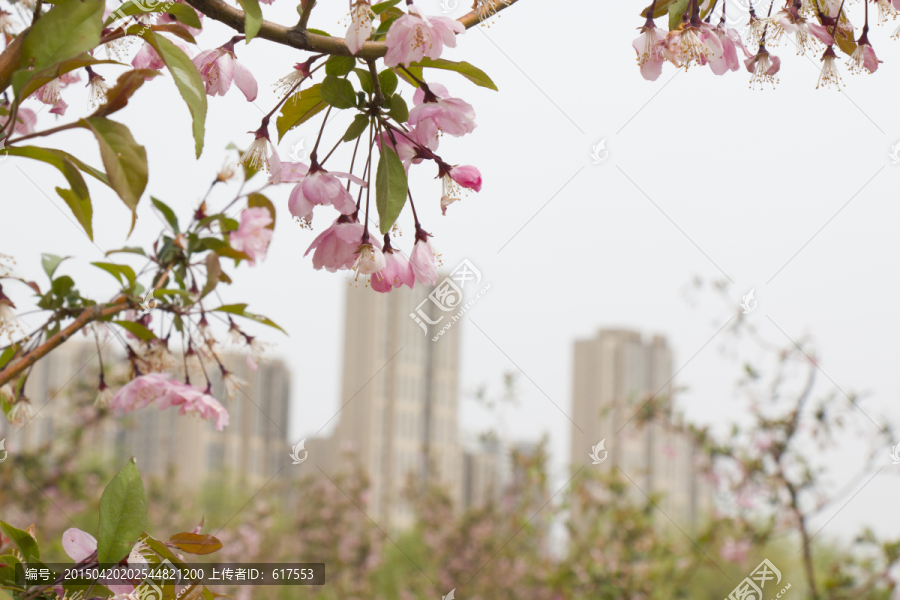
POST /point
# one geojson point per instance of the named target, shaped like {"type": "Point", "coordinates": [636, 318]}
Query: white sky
{"type": "Point", "coordinates": [739, 180]}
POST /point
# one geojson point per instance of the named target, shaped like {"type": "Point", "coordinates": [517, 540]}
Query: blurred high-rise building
{"type": "Point", "coordinates": [398, 401]}
{"type": "Point", "coordinates": [617, 375]}
{"type": "Point", "coordinates": [164, 442]}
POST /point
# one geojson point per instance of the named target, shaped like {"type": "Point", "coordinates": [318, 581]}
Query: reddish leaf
{"type": "Point", "coordinates": [194, 543]}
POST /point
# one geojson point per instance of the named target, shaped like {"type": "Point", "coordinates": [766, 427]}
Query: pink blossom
{"type": "Point", "coordinates": [863, 58]}
{"type": "Point", "coordinates": [322, 187]}
{"type": "Point", "coordinates": [25, 120]}
{"type": "Point", "coordinates": [735, 551]}
{"type": "Point", "coordinates": [450, 115]}
{"type": "Point", "coordinates": [467, 176]}
{"type": "Point", "coordinates": [336, 246]}
{"type": "Point", "coordinates": [423, 259]}
{"type": "Point", "coordinates": [193, 401]}
{"type": "Point", "coordinates": [369, 259]}
{"type": "Point", "coordinates": [425, 135]}
{"type": "Point", "coordinates": [49, 93]}
{"type": "Point", "coordinates": [763, 66]}
{"type": "Point", "coordinates": [396, 272]}
{"type": "Point", "coordinates": [412, 37]}
{"type": "Point", "coordinates": [285, 171]}
{"type": "Point", "coordinates": [219, 67]}
{"type": "Point", "coordinates": [147, 58]}
{"type": "Point", "coordinates": [141, 391]}
{"type": "Point", "coordinates": [80, 545]}
{"type": "Point", "coordinates": [649, 48]}
{"type": "Point", "coordinates": [253, 235]}
{"type": "Point", "coordinates": [728, 61]}
{"type": "Point", "coordinates": [361, 19]}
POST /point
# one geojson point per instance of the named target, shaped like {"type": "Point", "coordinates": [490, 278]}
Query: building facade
{"type": "Point", "coordinates": [617, 375]}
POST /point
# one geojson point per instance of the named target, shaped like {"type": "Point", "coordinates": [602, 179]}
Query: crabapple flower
{"type": "Point", "coordinates": [335, 248]}
{"type": "Point", "coordinates": [219, 67]}
{"type": "Point", "coordinates": [253, 235]}
{"type": "Point", "coordinates": [396, 272]}
{"type": "Point", "coordinates": [49, 93]}
{"type": "Point", "coordinates": [886, 11]}
{"type": "Point", "coordinates": [690, 44]}
{"type": "Point", "coordinates": [467, 176]}
{"type": "Point", "coordinates": [829, 75]}
{"type": "Point", "coordinates": [322, 187]}
{"type": "Point", "coordinates": [284, 172]}
{"type": "Point", "coordinates": [147, 57]}
{"type": "Point", "coordinates": [370, 260]}
{"type": "Point", "coordinates": [261, 153]}
{"type": "Point", "coordinates": [21, 412]}
{"type": "Point", "coordinates": [728, 61]}
{"type": "Point", "coordinates": [863, 58]}
{"type": "Point", "coordinates": [140, 392]}
{"type": "Point", "coordinates": [361, 19]}
{"type": "Point", "coordinates": [423, 259]}
{"type": "Point", "coordinates": [300, 72]}
{"type": "Point", "coordinates": [763, 67]}
{"type": "Point", "coordinates": [193, 401]}
{"type": "Point", "coordinates": [449, 115]}
{"type": "Point", "coordinates": [413, 37]}
{"type": "Point", "coordinates": [98, 88]}
{"type": "Point", "coordinates": [407, 144]}
{"type": "Point", "coordinates": [789, 20]}
{"type": "Point", "coordinates": [648, 47]}
{"type": "Point", "coordinates": [25, 120]}
{"type": "Point", "coordinates": [80, 545]}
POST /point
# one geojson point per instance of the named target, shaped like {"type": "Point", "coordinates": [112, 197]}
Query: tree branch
{"type": "Point", "coordinates": [301, 39]}
{"type": "Point", "coordinates": [10, 59]}
{"type": "Point", "coordinates": [89, 315]}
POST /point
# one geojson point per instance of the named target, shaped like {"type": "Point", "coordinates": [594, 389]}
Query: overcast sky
{"type": "Point", "coordinates": [787, 192]}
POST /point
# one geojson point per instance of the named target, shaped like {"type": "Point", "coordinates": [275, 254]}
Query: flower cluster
{"type": "Point", "coordinates": [160, 389]}
{"type": "Point", "coordinates": [815, 26]}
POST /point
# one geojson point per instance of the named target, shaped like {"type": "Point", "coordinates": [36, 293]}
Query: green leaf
{"type": "Point", "coordinates": [661, 7]}
{"type": "Point", "coordinates": [65, 31]}
{"type": "Point", "coordinates": [339, 66]}
{"type": "Point", "coordinates": [123, 515]}
{"type": "Point", "coordinates": [78, 198]}
{"type": "Point", "coordinates": [365, 80]}
{"type": "Point", "coordinates": [117, 271]}
{"type": "Point", "coordinates": [26, 544]}
{"type": "Point", "coordinates": [390, 188]}
{"type": "Point", "coordinates": [359, 124]}
{"type": "Point", "coordinates": [188, 81]}
{"type": "Point", "coordinates": [676, 10]}
{"type": "Point", "coordinates": [213, 271]}
{"type": "Point", "coordinates": [388, 81]}
{"type": "Point", "coordinates": [252, 18]}
{"type": "Point", "coordinates": [241, 310]}
{"type": "Point", "coordinates": [470, 72]}
{"type": "Point", "coordinates": [137, 330]}
{"type": "Point", "coordinates": [338, 92]}
{"type": "Point", "coordinates": [195, 543]}
{"type": "Point", "coordinates": [175, 29]}
{"type": "Point", "coordinates": [299, 109]}
{"type": "Point", "coordinates": [125, 87]}
{"type": "Point", "coordinates": [125, 160]}
{"type": "Point", "coordinates": [167, 213]}
{"type": "Point", "coordinates": [181, 12]}
{"type": "Point", "coordinates": [383, 6]}
{"type": "Point", "coordinates": [319, 32]}
{"type": "Point", "coordinates": [128, 249]}
{"type": "Point", "coordinates": [260, 201]}
{"type": "Point", "coordinates": [80, 207]}
{"type": "Point", "coordinates": [51, 262]}
{"type": "Point", "coordinates": [399, 110]}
